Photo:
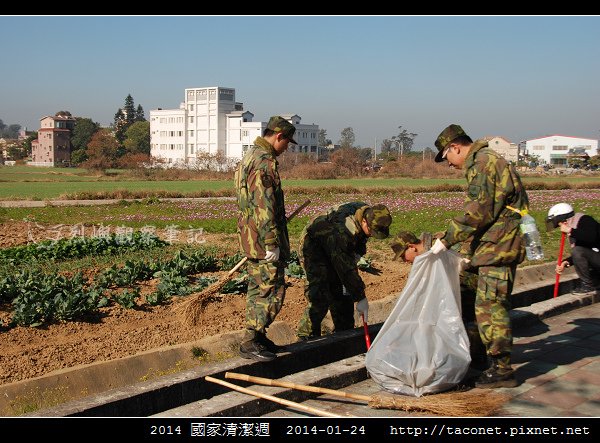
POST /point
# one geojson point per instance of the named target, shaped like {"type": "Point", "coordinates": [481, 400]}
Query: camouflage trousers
{"type": "Point", "coordinates": [468, 293]}
{"type": "Point", "coordinates": [264, 299]}
{"type": "Point", "coordinates": [492, 305]}
{"type": "Point", "coordinates": [324, 292]}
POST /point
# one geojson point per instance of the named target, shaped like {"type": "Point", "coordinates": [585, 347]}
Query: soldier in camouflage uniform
{"type": "Point", "coordinates": [330, 247]}
{"type": "Point", "coordinates": [407, 247]}
{"type": "Point", "coordinates": [263, 235]}
{"type": "Point", "coordinates": [496, 246]}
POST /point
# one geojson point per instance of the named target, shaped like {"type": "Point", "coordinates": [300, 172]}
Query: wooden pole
{"type": "Point", "coordinates": [281, 401]}
{"type": "Point", "coordinates": [287, 384]}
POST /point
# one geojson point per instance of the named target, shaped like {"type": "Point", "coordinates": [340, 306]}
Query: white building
{"type": "Point", "coordinates": [555, 149]}
{"type": "Point", "coordinates": [211, 121]}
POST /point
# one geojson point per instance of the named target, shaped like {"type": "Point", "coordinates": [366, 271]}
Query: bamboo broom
{"type": "Point", "coordinates": [191, 309]}
{"type": "Point", "coordinates": [281, 401]}
{"type": "Point", "coordinates": [453, 403]}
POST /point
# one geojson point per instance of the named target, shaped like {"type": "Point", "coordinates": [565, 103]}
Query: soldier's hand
{"type": "Point", "coordinates": [362, 307]}
{"type": "Point", "coordinates": [272, 256]}
{"type": "Point", "coordinates": [463, 264]}
{"type": "Point", "coordinates": [438, 247]}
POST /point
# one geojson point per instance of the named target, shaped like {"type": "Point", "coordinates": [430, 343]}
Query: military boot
{"type": "Point", "coordinates": [253, 348]}
{"type": "Point", "coordinates": [269, 344]}
{"type": "Point", "coordinates": [497, 377]}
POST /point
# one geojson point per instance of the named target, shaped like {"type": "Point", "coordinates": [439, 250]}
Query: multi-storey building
{"type": "Point", "coordinates": [211, 121]}
{"type": "Point", "coordinates": [555, 150]}
{"type": "Point", "coordinates": [53, 145]}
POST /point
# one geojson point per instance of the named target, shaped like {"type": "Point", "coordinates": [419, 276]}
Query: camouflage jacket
{"type": "Point", "coordinates": [341, 237]}
{"type": "Point", "coordinates": [491, 228]}
{"type": "Point", "coordinates": [262, 224]}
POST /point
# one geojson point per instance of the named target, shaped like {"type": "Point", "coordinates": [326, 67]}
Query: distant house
{"type": "Point", "coordinates": [53, 145]}
{"type": "Point", "coordinates": [555, 150]}
{"type": "Point", "coordinates": [508, 150]}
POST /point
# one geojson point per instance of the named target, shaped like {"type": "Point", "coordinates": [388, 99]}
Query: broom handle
{"type": "Point", "coordinates": [367, 336]}
{"type": "Point", "coordinates": [560, 255]}
{"type": "Point", "coordinates": [287, 384]}
{"type": "Point", "coordinates": [245, 259]}
{"type": "Point", "coordinates": [281, 401]}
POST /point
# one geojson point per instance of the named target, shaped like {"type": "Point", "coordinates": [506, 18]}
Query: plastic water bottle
{"type": "Point", "coordinates": [533, 242]}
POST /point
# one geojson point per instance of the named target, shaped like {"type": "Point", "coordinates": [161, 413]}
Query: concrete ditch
{"type": "Point", "coordinates": [114, 388]}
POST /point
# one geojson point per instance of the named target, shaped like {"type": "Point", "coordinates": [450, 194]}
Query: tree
{"type": "Point", "coordinates": [102, 151]}
{"type": "Point", "coordinates": [17, 151]}
{"type": "Point", "coordinates": [127, 116]}
{"type": "Point", "coordinates": [27, 142]}
{"type": "Point", "coordinates": [323, 140]}
{"type": "Point", "coordinates": [347, 140]}
{"type": "Point", "coordinates": [10, 131]}
{"type": "Point", "coordinates": [139, 114]}
{"type": "Point", "coordinates": [82, 132]}
{"type": "Point", "coordinates": [137, 138]}
{"type": "Point", "coordinates": [404, 140]}
{"type": "Point", "coordinates": [78, 157]}
{"type": "Point", "coordinates": [129, 110]}
{"type": "Point", "coordinates": [120, 125]}
{"type": "Point", "coordinates": [386, 146]}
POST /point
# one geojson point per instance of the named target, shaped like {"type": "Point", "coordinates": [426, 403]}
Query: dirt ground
{"type": "Point", "coordinates": [28, 352]}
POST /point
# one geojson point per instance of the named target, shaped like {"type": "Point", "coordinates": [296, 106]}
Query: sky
{"type": "Point", "coordinates": [519, 77]}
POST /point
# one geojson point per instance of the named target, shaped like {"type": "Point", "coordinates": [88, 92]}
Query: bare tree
{"type": "Point", "coordinates": [404, 140]}
{"type": "Point", "coordinates": [348, 138]}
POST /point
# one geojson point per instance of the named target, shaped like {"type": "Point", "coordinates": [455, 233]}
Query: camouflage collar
{"type": "Point", "coordinates": [265, 145]}
{"type": "Point", "coordinates": [475, 148]}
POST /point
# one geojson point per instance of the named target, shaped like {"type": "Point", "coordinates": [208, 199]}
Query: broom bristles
{"type": "Point", "coordinates": [192, 308]}
{"type": "Point", "coordinates": [455, 403]}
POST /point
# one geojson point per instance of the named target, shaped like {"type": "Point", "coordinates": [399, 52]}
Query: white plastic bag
{"type": "Point", "coordinates": [423, 347]}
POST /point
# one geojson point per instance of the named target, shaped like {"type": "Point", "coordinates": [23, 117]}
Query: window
{"type": "Point", "coordinates": [539, 148]}
{"type": "Point", "coordinates": [191, 132]}
{"type": "Point", "coordinates": [191, 119]}
{"type": "Point", "coordinates": [560, 148]}
{"type": "Point", "coordinates": [191, 107]}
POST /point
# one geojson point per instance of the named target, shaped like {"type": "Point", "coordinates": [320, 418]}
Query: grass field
{"type": "Point", "coordinates": [30, 183]}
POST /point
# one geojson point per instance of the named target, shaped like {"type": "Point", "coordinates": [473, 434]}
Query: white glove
{"type": "Point", "coordinates": [362, 307]}
{"type": "Point", "coordinates": [438, 247]}
{"type": "Point", "coordinates": [463, 264]}
{"type": "Point", "coordinates": [272, 256]}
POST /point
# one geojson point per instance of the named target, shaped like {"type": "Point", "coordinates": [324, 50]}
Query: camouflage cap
{"type": "Point", "coordinates": [400, 243]}
{"type": "Point", "coordinates": [379, 220]}
{"type": "Point", "coordinates": [445, 138]}
{"type": "Point", "coordinates": [280, 124]}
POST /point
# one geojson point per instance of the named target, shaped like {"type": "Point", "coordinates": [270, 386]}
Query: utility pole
{"type": "Point", "coordinates": [375, 151]}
